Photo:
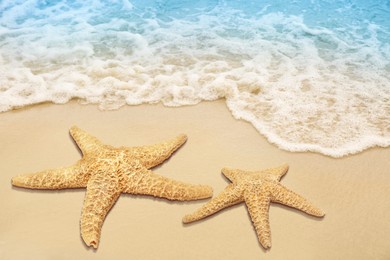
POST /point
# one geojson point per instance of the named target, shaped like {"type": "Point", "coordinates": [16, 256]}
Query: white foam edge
{"type": "Point", "coordinates": [350, 149]}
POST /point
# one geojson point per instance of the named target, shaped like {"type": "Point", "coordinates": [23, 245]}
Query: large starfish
{"type": "Point", "coordinates": [257, 189]}
{"type": "Point", "coordinates": [106, 172]}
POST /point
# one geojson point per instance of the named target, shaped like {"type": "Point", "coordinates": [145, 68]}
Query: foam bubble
{"type": "Point", "coordinates": [306, 84]}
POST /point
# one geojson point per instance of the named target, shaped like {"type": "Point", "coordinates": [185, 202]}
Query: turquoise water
{"type": "Point", "coordinates": [309, 75]}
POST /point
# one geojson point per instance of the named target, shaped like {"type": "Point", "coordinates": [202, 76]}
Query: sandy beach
{"type": "Point", "coordinates": [35, 224]}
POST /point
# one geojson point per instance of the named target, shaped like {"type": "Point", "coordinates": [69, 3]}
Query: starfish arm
{"type": "Point", "coordinates": [282, 195]}
{"type": "Point", "coordinates": [228, 197]}
{"type": "Point", "coordinates": [149, 183]}
{"type": "Point", "coordinates": [231, 174]}
{"type": "Point", "coordinates": [102, 193]}
{"type": "Point", "coordinates": [67, 177]}
{"type": "Point", "coordinates": [258, 205]}
{"type": "Point", "coordinates": [278, 172]}
{"type": "Point", "coordinates": [86, 142]}
{"type": "Point", "coordinates": [153, 155]}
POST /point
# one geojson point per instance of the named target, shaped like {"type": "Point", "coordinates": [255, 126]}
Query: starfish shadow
{"type": "Point", "coordinates": [303, 214]}
{"type": "Point", "coordinates": [75, 145]}
{"type": "Point", "coordinates": [158, 199]}
{"type": "Point", "coordinates": [48, 191]}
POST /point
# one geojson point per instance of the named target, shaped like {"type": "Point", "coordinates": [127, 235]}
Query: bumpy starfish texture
{"type": "Point", "coordinates": [257, 190]}
{"type": "Point", "coordinates": [106, 172]}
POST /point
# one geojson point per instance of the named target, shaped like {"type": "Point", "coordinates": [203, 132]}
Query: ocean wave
{"type": "Point", "coordinates": [306, 84]}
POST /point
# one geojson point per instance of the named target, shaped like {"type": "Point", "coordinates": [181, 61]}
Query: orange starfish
{"type": "Point", "coordinates": [106, 172]}
{"type": "Point", "coordinates": [257, 190]}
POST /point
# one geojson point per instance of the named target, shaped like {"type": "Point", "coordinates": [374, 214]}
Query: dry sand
{"type": "Point", "coordinates": [353, 191]}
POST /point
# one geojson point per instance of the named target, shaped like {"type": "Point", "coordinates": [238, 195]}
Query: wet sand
{"type": "Point", "coordinates": [354, 191]}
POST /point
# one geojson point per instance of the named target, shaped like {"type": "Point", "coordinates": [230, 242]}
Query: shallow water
{"type": "Point", "coordinates": [309, 75]}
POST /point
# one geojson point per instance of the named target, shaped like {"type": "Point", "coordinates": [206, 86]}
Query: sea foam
{"type": "Point", "coordinates": [309, 78]}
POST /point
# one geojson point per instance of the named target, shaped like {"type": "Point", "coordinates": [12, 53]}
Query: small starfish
{"type": "Point", "coordinates": [106, 172]}
{"type": "Point", "coordinates": [257, 189]}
